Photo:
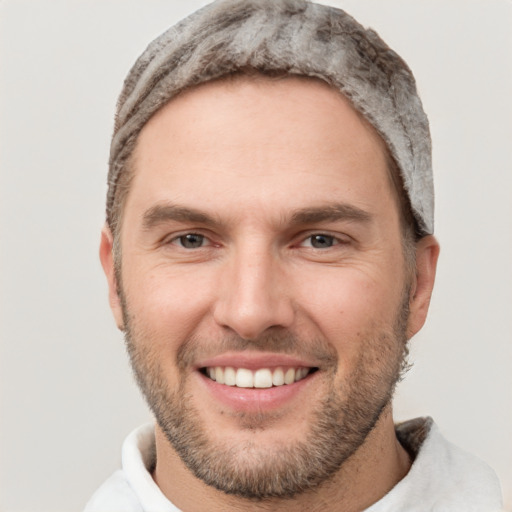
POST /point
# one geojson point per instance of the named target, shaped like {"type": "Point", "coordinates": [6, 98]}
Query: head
{"type": "Point", "coordinates": [268, 220]}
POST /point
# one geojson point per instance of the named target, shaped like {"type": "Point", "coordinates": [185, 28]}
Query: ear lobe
{"type": "Point", "coordinates": [107, 262]}
{"type": "Point", "coordinates": [427, 253]}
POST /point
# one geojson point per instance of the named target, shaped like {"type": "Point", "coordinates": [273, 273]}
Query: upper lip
{"type": "Point", "coordinates": [256, 360]}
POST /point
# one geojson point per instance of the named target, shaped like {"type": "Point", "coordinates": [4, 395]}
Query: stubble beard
{"type": "Point", "coordinates": [340, 421]}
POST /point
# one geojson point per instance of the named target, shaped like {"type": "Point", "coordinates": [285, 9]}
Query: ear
{"type": "Point", "coordinates": [427, 253]}
{"type": "Point", "coordinates": [107, 262]}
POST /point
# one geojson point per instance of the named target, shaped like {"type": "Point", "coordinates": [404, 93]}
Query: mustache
{"type": "Point", "coordinates": [276, 341]}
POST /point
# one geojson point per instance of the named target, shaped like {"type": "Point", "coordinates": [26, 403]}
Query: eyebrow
{"type": "Point", "coordinates": [161, 213]}
{"type": "Point", "coordinates": [331, 213]}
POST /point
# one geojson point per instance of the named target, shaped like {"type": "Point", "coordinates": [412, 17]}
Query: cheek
{"type": "Point", "coordinates": [347, 304]}
{"type": "Point", "coordinates": [165, 304]}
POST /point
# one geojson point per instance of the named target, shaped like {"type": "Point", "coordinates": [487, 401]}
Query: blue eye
{"type": "Point", "coordinates": [321, 241]}
{"type": "Point", "coordinates": [191, 241]}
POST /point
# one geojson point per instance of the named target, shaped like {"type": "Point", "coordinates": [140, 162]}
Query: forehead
{"type": "Point", "coordinates": [302, 102]}
{"type": "Point", "coordinates": [256, 138]}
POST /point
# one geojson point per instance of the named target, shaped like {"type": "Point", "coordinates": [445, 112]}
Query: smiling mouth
{"type": "Point", "coordinates": [261, 378]}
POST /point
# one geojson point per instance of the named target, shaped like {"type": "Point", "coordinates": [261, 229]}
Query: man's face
{"type": "Point", "coordinates": [261, 243]}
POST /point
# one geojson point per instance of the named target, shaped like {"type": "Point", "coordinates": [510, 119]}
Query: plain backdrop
{"type": "Point", "coordinates": [67, 396]}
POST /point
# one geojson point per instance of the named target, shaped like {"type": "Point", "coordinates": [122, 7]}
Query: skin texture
{"type": "Point", "coordinates": [252, 166]}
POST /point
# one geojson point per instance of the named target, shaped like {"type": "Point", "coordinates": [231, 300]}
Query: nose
{"type": "Point", "coordinates": [253, 295]}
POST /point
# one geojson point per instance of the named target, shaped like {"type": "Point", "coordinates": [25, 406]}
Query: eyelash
{"type": "Point", "coordinates": [334, 241]}
{"type": "Point", "coordinates": [178, 240]}
{"type": "Point", "coordinates": [331, 240]}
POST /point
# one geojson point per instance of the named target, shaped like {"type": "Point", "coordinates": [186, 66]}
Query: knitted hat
{"type": "Point", "coordinates": [292, 36]}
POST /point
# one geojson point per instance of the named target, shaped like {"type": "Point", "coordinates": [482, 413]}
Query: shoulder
{"type": "Point", "coordinates": [115, 494]}
{"type": "Point", "coordinates": [442, 476]}
{"type": "Point", "coordinates": [132, 489]}
{"type": "Point", "coordinates": [465, 480]}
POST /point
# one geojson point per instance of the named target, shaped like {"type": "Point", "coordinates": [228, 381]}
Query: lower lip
{"type": "Point", "coordinates": [256, 399]}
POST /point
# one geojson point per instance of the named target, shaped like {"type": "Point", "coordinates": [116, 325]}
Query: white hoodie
{"type": "Point", "coordinates": [442, 478]}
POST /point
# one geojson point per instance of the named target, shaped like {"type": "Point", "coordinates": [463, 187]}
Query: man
{"type": "Point", "coordinates": [269, 254]}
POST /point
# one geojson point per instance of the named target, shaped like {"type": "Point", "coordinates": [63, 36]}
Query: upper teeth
{"type": "Point", "coordinates": [262, 378]}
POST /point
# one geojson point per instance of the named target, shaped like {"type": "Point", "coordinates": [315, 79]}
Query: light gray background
{"type": "Point", "coordinates": [67, 398]}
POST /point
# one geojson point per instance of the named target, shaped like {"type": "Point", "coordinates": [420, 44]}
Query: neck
{"type": "Point", "coordinates": [370, 473]}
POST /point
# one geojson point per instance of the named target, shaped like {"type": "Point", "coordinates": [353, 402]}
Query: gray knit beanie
{"type": "Point", "coordinates": [292, 36]}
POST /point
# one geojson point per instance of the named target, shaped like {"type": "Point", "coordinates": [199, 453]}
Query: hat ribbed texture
{"type": "Point", "coordinates": [298, 37]}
